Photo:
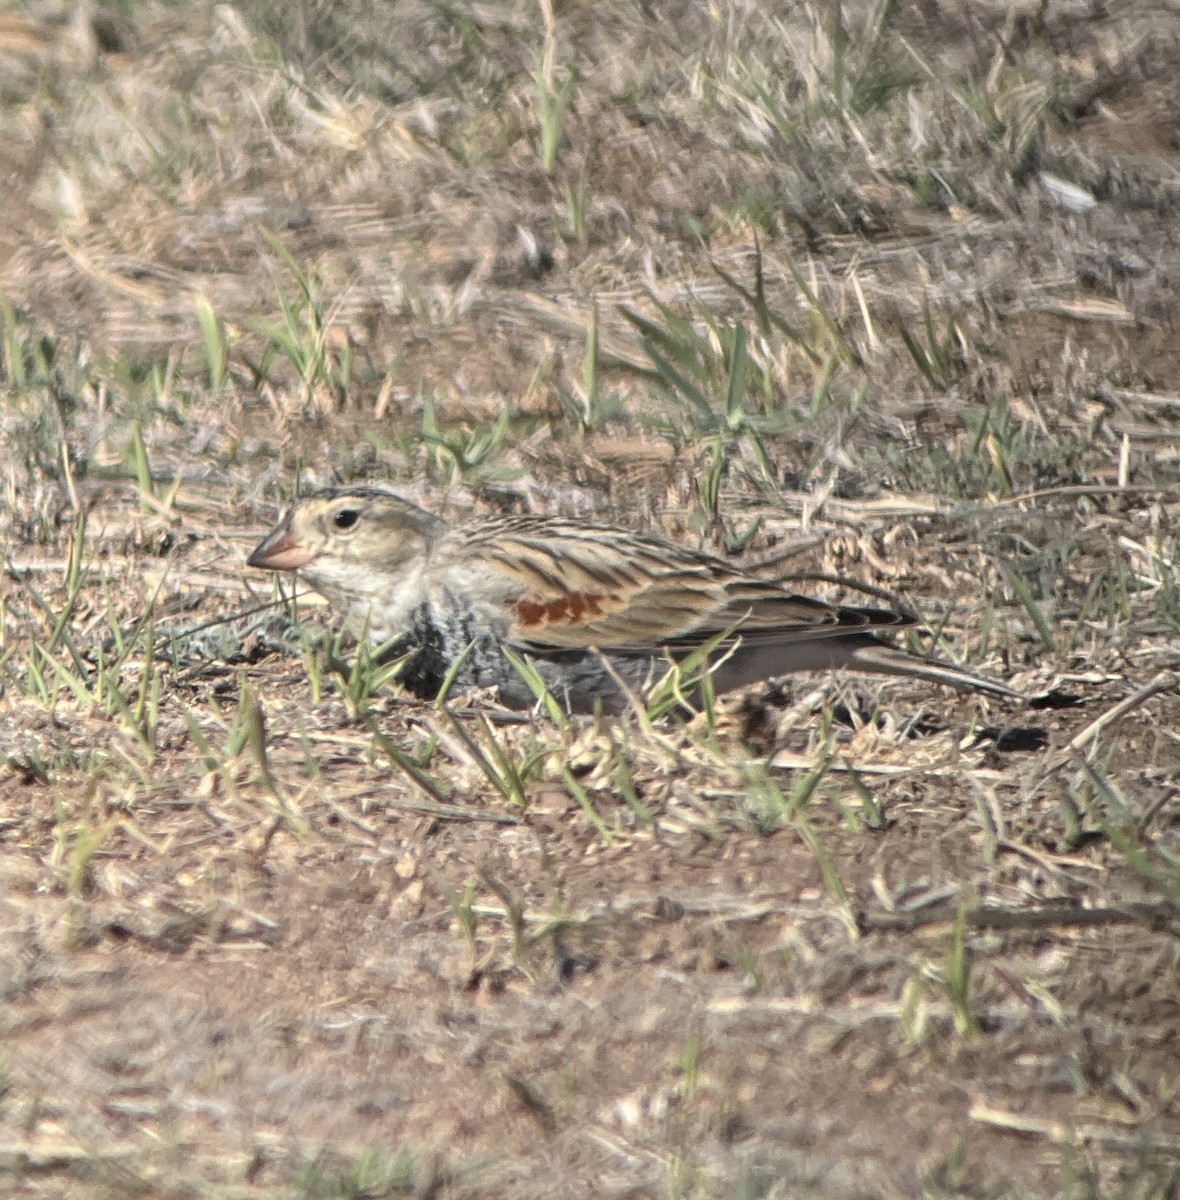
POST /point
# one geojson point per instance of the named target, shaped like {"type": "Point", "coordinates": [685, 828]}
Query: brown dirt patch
{"type": "Point", "coordinates": [851, 940]}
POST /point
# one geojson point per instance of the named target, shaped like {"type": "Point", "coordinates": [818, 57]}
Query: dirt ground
{"type": "Point", "coordinates": [878, 291]}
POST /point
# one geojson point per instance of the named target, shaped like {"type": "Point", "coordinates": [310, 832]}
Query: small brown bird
{"type": "Point", "coordinates": [568, 595]}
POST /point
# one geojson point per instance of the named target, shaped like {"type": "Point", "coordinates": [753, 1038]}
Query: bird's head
{"type": "Point", "coordinates": [332, 533]}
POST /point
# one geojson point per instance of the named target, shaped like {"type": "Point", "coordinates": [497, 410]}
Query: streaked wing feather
{"type": "Point", "coordinates": [576, 586]}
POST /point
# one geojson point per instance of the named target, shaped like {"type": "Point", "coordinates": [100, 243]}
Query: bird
{"type": "Point", "coordinates": [603, 612]}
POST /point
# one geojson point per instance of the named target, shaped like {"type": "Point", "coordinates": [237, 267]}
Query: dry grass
{"type": "Point", "coordinates": [887, 290]}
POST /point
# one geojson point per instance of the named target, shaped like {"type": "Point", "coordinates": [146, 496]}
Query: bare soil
{"type": "Point", "coordinates": [842, 938]}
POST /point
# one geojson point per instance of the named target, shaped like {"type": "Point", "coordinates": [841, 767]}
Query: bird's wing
{"type": "Point", "coordinates": [571, 586]}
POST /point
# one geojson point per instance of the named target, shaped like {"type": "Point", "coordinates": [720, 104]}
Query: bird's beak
{"type": "Point", "coordinates": [280, 550]}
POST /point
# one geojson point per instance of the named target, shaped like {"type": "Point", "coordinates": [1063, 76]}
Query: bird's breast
{"type": "Point", "coordinates": [382, 603]}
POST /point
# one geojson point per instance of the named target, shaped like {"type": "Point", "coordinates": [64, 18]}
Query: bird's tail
{"type": "Point", "coordinates": [749, 663]}
{"type": "Point", "coordinates": [882, 659]}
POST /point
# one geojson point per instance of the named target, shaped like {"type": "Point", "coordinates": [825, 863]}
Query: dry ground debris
{"type": "Point", "coordinates": [881, 291]}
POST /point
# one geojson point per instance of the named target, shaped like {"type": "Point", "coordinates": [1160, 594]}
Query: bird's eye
{"type": "Point", "coordinates": [346, 518]}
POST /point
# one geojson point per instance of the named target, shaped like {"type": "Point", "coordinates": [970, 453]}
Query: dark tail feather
{"type": "Point", "coordinates": [883, 659]}
{"type": "Point", "coordinates": [852, 651]}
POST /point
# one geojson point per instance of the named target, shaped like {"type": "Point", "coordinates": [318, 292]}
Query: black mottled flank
{"type": "Point", "coordinates": [577, 678]}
